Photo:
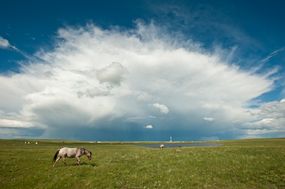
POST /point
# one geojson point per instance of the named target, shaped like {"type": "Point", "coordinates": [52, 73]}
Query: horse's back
{"type": "Point", "coordinates": [69, 152]}
{"type": "Point", "coordinates": [68, 148]}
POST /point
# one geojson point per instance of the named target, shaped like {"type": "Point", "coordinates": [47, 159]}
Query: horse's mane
{"type": "Point", "coordinates": [84, 149]}
{"type": "Point", "coordinates": [88, 151]}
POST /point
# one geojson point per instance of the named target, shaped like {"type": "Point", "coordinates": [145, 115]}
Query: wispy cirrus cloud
{"type": "Point", "coordinates": [272, 54]}
{"type": "Point", "coordinates": [5, 44]}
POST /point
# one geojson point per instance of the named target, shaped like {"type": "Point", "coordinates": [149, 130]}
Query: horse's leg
{"type": "Point", "coordinates": [63, 158]}
{"type": "Point", "coordinates": [78, 160]}
{"type": "Point", "coordinates": [57, 159]}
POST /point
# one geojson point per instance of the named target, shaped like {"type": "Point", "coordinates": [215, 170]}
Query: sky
{"type": "Point", "coordinates": [142, 70]}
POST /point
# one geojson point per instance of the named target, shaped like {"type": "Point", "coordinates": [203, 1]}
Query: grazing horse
{"type": "Point", "coordinates": [71, 153]}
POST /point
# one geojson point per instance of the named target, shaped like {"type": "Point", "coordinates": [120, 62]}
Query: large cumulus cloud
{"type": "Point", "coordinates": [121, 80]}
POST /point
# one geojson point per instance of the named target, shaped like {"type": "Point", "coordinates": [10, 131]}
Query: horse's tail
{"type": "Point", "coordinates": [55, 155]}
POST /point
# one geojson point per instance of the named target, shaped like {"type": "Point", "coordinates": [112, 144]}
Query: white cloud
{"type": "Point", "coordinates": [210, 119]}
{"type": "Point", "coordinates": [268, 119]}
{"type": "Point", "coordinates": [14, 123]}
{"type": "Point", "coordinates": [272, 54]}
{"type": "Point", "coordinates": [161, 107]}
{"type": "Point", "coordinates": [149, 127]}
{"type": "Point", "coordinates": [4, 43]}
{"type": "Point", "coordinates": [95, 74]}
{"type": "Point", "coordinates": [112, 73]}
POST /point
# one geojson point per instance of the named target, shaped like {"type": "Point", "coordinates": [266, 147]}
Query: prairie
{"type": "Point", "coordinates": [251, 163]}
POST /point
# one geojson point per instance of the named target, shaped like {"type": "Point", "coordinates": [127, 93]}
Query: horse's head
{"type": "Point", "coordinates": [88, 154]}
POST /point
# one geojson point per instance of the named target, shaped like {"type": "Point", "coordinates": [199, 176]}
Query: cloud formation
{"type": "Point", "coordinates": [8, 123]}
{"type": "Point", "coordinates": [112, 74]}
{"type": "Point", "coordinates": [4, 43]}
{"type": "Point", "coordinates": [269, 120]}
{"type": "Point", "coordinates": [161, 107]}
{"type": "Point", "coordinates": [272, 54]}
{"type": "Point", "coordinates": [210, 119]}
{"type": "Point", "coordinates": [148, 126]}
{"type": "Point", "coordinates": [98, 78]}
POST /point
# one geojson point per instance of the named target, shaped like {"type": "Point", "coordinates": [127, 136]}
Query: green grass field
{"type": "Point", "coordinates": [250, 164]}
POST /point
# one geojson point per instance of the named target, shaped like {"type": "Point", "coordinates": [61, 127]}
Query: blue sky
{"type": "Point", "coordinates": [142, 70]}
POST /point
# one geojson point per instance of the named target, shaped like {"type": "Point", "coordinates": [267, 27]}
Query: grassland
{"type": "Point", "coordinates": [236, 164]}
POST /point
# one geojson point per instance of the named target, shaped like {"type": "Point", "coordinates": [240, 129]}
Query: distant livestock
{"type": "Point", "coordinates": [27, 142]}
{"type": "Point", "coordinates": [161, 146]}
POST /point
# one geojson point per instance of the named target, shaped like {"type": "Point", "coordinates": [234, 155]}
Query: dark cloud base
{"type": "Point", "coordinates": [119, 130]}
{"type": "Point", "coordinates": [6, 133]}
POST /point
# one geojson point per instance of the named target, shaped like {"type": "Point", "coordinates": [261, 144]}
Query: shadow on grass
{"type": "Point", "coordinates": [83, 164]}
